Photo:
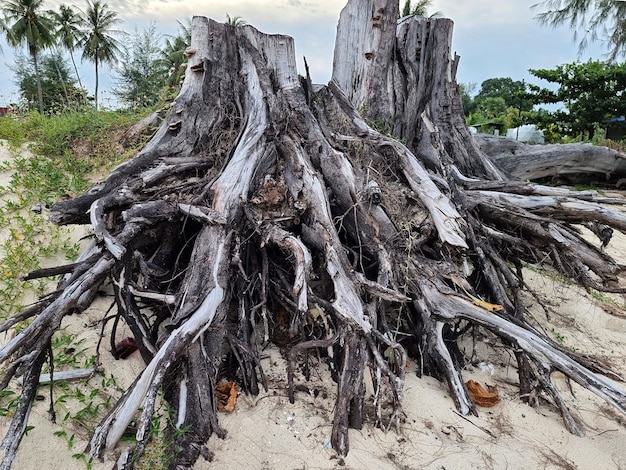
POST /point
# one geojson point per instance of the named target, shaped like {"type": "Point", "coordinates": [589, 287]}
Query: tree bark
{"type": "Point", "coordinates": [577, 163]}
{"type": "Point", "coordinates": [264, 202]}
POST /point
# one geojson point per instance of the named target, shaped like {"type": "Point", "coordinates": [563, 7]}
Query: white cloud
{"type": "Point", "coordinates": [281, 11]}
{"type": "Point", "coordinates": [480, 12]}
{"type": "Point", "coordinates": [503, 39]}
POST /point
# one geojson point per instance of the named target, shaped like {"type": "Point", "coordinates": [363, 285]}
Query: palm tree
{"type": "Point", "coordinates": [99, 43]}
{"type": "Point", "coordinates": [4, 29]}
{"type": "Point", "coordinates": [235, 20]}
{"type": "Point", "coordinates": [597, 19]}
{"type": "Point", "coordinates": [421, 9]}
{"type": "Point", "coordinates": [31, 27]}
{"type": "Point", "coordinates": [173, 54]}
{"type": "Point", "coordinates": [68, 31]}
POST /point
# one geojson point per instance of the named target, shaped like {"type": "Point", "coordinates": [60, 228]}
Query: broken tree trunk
{"type": "Point", "coordinates": [577, 163]}
{"type": "Point", "coordinates": [264, 203]}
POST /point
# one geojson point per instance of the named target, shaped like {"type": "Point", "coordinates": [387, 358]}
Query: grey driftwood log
{"type": "Point", "coordinates": [365, 201]}
{"type": "Point", "coordinates": [576, 163]}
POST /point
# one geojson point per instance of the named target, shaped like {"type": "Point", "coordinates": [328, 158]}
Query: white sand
{"type": "Point", "coordinates": [267, 432]}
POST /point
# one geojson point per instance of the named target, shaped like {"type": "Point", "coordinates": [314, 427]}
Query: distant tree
{"type": "Point", "coordinates": [141, 75]}
{"type": "Point", "coordinates": [173, 55]}
{"type": "Point", "coordinates": [31, 27]}
{"type": "Point", "coordinates": [597, 20]}
{"type": "Point", "coordinates": [68, 24]}
{"type": "Point", "coordinates": [235, 20]}
{"type": "Point", "coordinates": [100, 43]}
{"type": "Point", "coordinates": [492, 107]}
{"type": "Point", "coordinates": [467, 89]}
{"type": "Point", "coordinates": [59, 90]}
{"type": "Point", "coordinates": [511, 91]}
{"type": "Point", "coordinates": [420, 9]}
{"type": "Point", "coordinates": [590, 92]}
{"type": "Point", "coordinates": [501, 103]}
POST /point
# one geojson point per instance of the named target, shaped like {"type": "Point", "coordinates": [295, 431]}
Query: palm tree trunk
{"type": "Point", "coordinates": [33, 53]}
{"type": "Point", "coordinates": [80, 84]}
{"type": "Point", "coordinates": [63, 84]}
{"type": "Point", "coordinates": [95, 97]}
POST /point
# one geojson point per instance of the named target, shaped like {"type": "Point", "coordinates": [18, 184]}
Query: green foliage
{"type": "Point", "coordinates": [173, 57]}
{"type": "Point", "coordinates": [511, 91]}
{"type": "Point", "coordinates": [596, 19]}
{"type": "Point", "coordinates": [28, 239]}
{"type": "Point", "coordinates": [100, 43]}
{"type": "Point", "coordinates": [54, 136]}
{"type": "Point", "coordinates": [148, 71]}
{"type": "Point", "coordinates": [43, 180]}
{"type": "Point", "coordinates": [141, 73]}
{"type": "Point", "coordinates": [30, 25]}
{"type": "Point", "coordinates": [12, 130]}
{"type": "Point", "coordinates": [467, 89]}
{"type": "Point", "coordinates": [590, 92]}
{"type": "Point", "coordinates": [88, 461]}
{"type": "Point", "coordinates": [235, 20]}
{"type": "Point", "coordinates": [32, 28]}
{"type": "Point", "coordinates": [68, 24]}
{"type": "Point", "coordinates": [68, 32]}
{"type": "Point", "coordinates": [59, 90]}
{"type": "Point", "coordinates": [491, 108]}
{"type": "Point", "coordinates": [8, 403]}
{"type": "Point", "coordinates": [500, 104]}
{"type": "Point", "coordinates": [419, 9]}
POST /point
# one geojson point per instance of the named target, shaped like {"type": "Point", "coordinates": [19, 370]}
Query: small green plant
{"type": "Point", "coordinates": [158, 452]}
{"type": "Point", "coordinates": [68, 439]}
{"type": "Point", "coordinates": [548, 273]}
{"type": "Point", "coordinates": [8, 402]}
{"type": "Point", "coordinates": [70, 151]}
{"type": "Point", "coordinates": [83, 457]}
{"type": "Point", "coordinates": [607, 299]}
{"type": "Point", "coordinates": [384, 129]}
{"type": "Point", "coordinates": [83, 404]}
{"type": "Point", "coordinates": [558, 336]}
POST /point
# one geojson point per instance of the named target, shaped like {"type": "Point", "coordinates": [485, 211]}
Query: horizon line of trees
{"type": "Point", "coordinates": [92, 32]}
{"type": "Point", "coordinates": [147, 65]}
{"type": "Point", "coordinates": [588, 94]}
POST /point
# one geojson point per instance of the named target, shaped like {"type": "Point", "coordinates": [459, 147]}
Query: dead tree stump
{"type": "Point", "coordinates": [365, 201]}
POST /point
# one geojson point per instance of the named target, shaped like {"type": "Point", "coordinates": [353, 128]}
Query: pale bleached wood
{"type": "Point", "coordinates": [562, 163]}
{"type": "Point", "coordinates": [363, 206]}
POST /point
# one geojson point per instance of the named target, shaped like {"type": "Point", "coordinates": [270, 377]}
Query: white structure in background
{"type": "Point", "coordinates": [527, 133]}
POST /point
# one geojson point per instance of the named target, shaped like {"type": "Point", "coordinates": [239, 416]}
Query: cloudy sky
{"type": "Point", "coordinates": [494, 38]}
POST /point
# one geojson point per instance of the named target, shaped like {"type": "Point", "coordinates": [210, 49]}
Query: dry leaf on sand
{"type": "Point", "coordinates": [226, 394]}
{"type": "Point", "coordinates": [480, 396]}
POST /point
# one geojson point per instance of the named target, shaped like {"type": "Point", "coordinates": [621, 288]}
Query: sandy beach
{"type": "Point", "coordinates": [267, 432]}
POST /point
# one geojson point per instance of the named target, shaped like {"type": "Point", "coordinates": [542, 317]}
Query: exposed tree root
{"type": "Point", "coordinates": [264, 210]}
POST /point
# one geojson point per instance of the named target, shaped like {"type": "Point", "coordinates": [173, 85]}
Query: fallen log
{"type": "Point", "coordinates": [263, 203]}
{"type": "Point", "coordinates": [576, 163]}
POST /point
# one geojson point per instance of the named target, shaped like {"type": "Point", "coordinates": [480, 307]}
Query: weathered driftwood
{"type": "Point", "coordinates": [556, 163]}
{"type": "Point", "coordinates": [264, 204]}
{"type": "Point", "coordinates": [68, 375]}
